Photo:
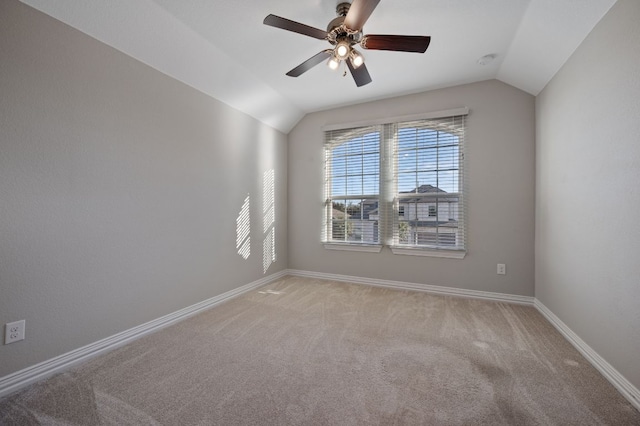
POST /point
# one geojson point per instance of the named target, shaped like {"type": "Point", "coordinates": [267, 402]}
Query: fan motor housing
{"type": "Point", "coordinates": [335, 24]}
{"type": "Point", "coordinates": [336, 30]}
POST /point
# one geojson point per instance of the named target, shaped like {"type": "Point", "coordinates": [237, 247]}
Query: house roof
{"type": "Point", "coordinates": [338, 214]}
{"type": "Point", "coordinates": [423, 189]}
{"type": "Point", "coordinates": [429, 189]}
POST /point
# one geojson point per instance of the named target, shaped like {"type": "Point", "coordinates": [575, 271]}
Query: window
{"type": "Point", "coordinates": [398, 184]}
{"type": "Point", "coordinates": [428, 165]}
{"type": "Point", "coordinates": [352, 166]}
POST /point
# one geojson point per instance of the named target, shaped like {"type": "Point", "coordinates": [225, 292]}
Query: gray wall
{"type": "Point", "coordinates": [119, 190]}
{"type": "Point", "coordinates": [500, 157]}
{"type": "Point", "coordinates": [588, 192]}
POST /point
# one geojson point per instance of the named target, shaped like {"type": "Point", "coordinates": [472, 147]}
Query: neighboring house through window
{"type": "Point", "coordinates": [429, 185]}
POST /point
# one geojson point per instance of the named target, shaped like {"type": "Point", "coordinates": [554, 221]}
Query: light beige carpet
{"type": "Point", "coordinates": [304, 351]}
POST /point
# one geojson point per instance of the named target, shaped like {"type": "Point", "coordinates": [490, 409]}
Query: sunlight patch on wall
{"type": "Point", "coordinates": [243, 230]}
{"type": "Point", "coordinates": [269, 247]}
{"type": "Point", "coordinates": [269, 219]}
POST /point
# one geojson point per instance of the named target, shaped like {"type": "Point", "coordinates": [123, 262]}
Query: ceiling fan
{"type": "Point", "coordinates": [344, 32]}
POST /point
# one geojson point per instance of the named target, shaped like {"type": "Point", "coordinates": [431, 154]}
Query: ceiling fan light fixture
{"type": "Point", "coordinates": [333, 63]}
{"type": "Point", "coordinates": [342, 50]}
{"type": "Point", "coordinates": [356, 58]}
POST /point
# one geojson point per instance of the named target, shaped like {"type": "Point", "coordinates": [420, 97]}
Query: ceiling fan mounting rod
{"type": "Point", "coordinates": [342, 9]}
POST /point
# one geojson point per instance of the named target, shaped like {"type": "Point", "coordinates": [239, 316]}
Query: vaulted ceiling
{"type": "Point", "coordinates": [222, 48]}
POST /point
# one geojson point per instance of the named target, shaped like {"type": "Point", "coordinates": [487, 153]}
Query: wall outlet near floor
{"type": "Point", "coordinates": [502, 269]}
{"type": "Point", "coordinates": [13, 331]}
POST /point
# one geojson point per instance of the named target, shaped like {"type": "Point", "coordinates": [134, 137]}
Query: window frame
{"type": "Point", "coordinates": [455, 126]}
{"type": "Point", "coordinates": [388, 200]}
{"type": "Point", "coordinates": [333, 140]}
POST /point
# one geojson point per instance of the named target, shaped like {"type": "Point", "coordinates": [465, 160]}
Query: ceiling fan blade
{"type": "Point", "coordinates": [359, 12]}
{"type": "Point", "coordinates": [296, 27]}
{"type": "Point", "coordinates": [360, 74]}
{"type": "Point", "coordinates": [396, 42]}
{"type": "Point", "coordinates": [309, 63]}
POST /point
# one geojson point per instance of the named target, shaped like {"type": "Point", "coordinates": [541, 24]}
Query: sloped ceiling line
{"type": "Point", "coordinates": [222, 49]}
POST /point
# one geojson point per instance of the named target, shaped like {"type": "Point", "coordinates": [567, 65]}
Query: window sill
{"type": "Point", "coordinates": [419, 251]}
{"type": "Point", "coordinates": [369, 248]}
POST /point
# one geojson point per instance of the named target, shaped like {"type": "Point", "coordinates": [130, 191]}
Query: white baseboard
{"type": "Point", "coordinates": [446, 291]}
{"type": "Point", "coordinates": [22, 378]}
{"type": "Point", "coordinates": [626, 388]}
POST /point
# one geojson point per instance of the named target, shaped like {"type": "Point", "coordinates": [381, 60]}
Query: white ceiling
{"type": "Point", "coordinates": [221, 47]}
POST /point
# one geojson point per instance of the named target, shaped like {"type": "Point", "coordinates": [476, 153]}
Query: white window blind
{"type": "Point", "coordinates": [399, 184]}
{"type": "Point", "coordinates": [429, 207]}
{"type": "Point", "coordinates": [352, 179]}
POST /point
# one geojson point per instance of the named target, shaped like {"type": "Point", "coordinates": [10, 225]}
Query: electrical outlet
{"type": "Point", "coordinates": [13, 331]}
{"type": "Point", "coordinates": [502, 269]}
